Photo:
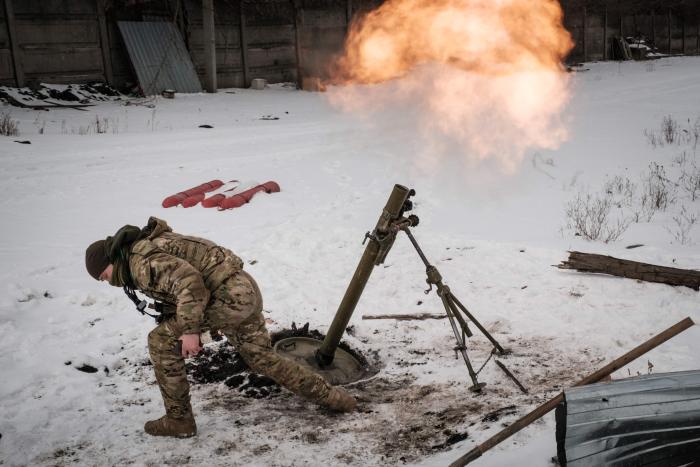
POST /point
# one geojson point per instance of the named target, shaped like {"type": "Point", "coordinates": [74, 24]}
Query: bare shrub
{"type": "Point", "coordinates": [8, 126]}
{"type": "Point", "coordinates": [684, 222]}
{"type": "Point", "coordinates": [589, 216]}
{"type": "Point", "coordinates": [98, 126]}
{"type": "Point", "coordinates": [669, 129]}
{"type": "Point", "coordinates": [689, 180]}
{"type": "Point", "coordinates": [622, 191]}
{"type": "Point", "coordinates": [657, 191]}
{"type": "Point", "coordinates": [672, 132]}
{"type": "Point", "coordinates": [653, 138]}
{"type": "Point", "coordinates": [101, 125]}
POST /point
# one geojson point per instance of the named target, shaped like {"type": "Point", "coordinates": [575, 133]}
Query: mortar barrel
{"type": "Point", "coordinates": [392, 211]}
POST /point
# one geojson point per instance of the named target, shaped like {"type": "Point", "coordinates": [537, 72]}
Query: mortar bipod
{"type": "Point", "coordinates": [454, 310]}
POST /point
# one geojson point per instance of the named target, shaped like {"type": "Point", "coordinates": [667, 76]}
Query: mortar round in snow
{"type": "Point", "coordinates": [344, 369]}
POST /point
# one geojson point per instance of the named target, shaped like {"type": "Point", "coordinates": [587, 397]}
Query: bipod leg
{"type": "Point", "coordinates": [483, 330]}
{"type": "Point", "coordinates": [456, 313]}
{"type": "Point", "coordinates": [461, 346]}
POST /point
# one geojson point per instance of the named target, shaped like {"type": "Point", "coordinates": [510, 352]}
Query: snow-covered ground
{"type": "Point", "coordinates": [495, 237]}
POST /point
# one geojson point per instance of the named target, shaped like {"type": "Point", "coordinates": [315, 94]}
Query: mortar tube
{"type": "Point", "coordinates": [326, 353]}
{"type": "Point", "coordinates": [392, 211]}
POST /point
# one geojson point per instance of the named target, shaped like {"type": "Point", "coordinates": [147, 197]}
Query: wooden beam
{"type": "Point", "coordinates": [602, 264]}
{"type": "Point", "coordinates": [585, 33]}
{"type": "Point", "coordinates": [605, 33]}
{"type": "Point", "coordinates": [683, 31]}
{"type": "Point", "coordinates": [298, 24]}
{"type": "Point", "coordinates": [16, 52]}
{"type": "Point", "coordinates": [670, 29]}
{"type": "Point", "coordinates": [622, 36]}
{"type": "Point", "coordinates": [104, 42]}
{"type": "Point", "coordinates": [407, 317]}
{"type": "Point", "coordinates": [209, 41]}
{"type": "Point", "coordinates": [244, 44]}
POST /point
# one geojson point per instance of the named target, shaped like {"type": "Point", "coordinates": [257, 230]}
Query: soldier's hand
{"type": "Point", "coordinates": [190, 345]}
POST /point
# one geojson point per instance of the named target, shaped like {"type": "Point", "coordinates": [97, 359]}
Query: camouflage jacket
{"type": "Point", "coordinates": [180, 271]}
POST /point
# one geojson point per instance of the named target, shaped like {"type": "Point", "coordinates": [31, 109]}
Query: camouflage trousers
{"type": "Point", "coordinates": [235, 309]}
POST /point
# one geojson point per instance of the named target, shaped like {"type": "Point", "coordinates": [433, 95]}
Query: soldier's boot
{"type": "Point", "coordinates": [168, 426]}
{"type": "Point", "coordinates": [339, 400]}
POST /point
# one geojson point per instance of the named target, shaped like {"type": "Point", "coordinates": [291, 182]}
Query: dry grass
{"type": "Point", "coordinates": [8, 126]}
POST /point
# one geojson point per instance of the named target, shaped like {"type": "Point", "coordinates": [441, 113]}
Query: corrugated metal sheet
{"type": "Point", "coordinates": [651, 420]}
{"type": "Point", "coordinates": [159, 57]}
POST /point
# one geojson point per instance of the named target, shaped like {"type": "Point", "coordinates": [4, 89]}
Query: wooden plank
{"type": "Point", "coordinates": [230, 78]}
{"type": "Point", "coordinates": [7, 74]}
{"type": "Point", "coordinates": [245, 60]}
{"type": "Point", "coordinates": [298, 25]}
{"type": "Point", "coordinates": [225, 58]}
{"type": "Point", "coordinates": [653, 28]}
{"type": "Point", "coordinates": [227, 36]}
{"type": "Point", "coordinates": [56, 62]}
{"type": "Point", "coordinates": [408, 317]}
{"type": "Point", "coordinates": [51, 32]}
{"type": "Point", "coordinates": [601, 264]}
{"type": "Point", "coordinates": [683, 32]}
{"type": "Point", "coordinates": [277, 74]}
{"type": "Point", "coordinates": [278, 35]}
{"type": "Point", "coordinates": [585, 34]}
{"type": "Point", "coordinates": [323, 39]}
{"type": "Point", "coordinates": [324, 19]}
{"type": "Point", "coordinates": [596, 35]}
{"type": "Point", "coordinates": [670, 31]}
{"type": "Point", "coordinates": [16, 54]}
{"type": "Point", "coordinates": [61, 8]}
{"type": "Point", "coordinates": [209, 42]}
{"type": "Point", "coordinates": [259, 57]}
{"type": "Point", "coordinates": [4, 36]}
{"type": "Point", "coordinates": [104, 42]}
{"type": "Point", "coordinates": [605, 33]}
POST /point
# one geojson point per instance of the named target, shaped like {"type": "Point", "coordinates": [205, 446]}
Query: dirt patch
{"type": "Point", "coordinates": [404, 414]}
{"type": "Point", "coordinates": [219, 362]}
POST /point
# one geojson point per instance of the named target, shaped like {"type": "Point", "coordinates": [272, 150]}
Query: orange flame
{"type": "Point", "coordinates": [499, 86]}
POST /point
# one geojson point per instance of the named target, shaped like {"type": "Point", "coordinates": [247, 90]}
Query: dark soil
{"type": "Point", "coordinates": [86, 368]}
{"type": "Point", "coordinates": [221, 363]}
{"type": "Point", "coordinates": [76, 93]}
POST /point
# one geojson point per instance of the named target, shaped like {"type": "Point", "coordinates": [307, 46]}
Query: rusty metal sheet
{"type": "Point", "coordinates": [159, 57]}
{"type": "Point", "coordinates": [650, 420]}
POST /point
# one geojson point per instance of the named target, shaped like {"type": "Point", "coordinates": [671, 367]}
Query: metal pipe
{"type": "Point", "coordinates": [379, 242]}
{"type": "Point", "coordinates": [483, 330]}
{"type": "Point", "coordinates": [460, 344]}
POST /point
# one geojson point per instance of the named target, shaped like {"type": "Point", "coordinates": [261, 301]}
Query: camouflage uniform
{"type": "Point", "coordinates": [210, 291]}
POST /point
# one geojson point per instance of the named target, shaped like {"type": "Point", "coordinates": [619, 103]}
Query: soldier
{"type": "Point", "coordinates": [206, 287]}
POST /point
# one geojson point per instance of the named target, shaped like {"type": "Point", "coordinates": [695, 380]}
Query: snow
{"type": "Point", "coordinates": [494, 236]}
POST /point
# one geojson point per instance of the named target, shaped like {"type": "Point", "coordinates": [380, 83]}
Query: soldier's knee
{"type": "Point", "coordinates": [258, 358]}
